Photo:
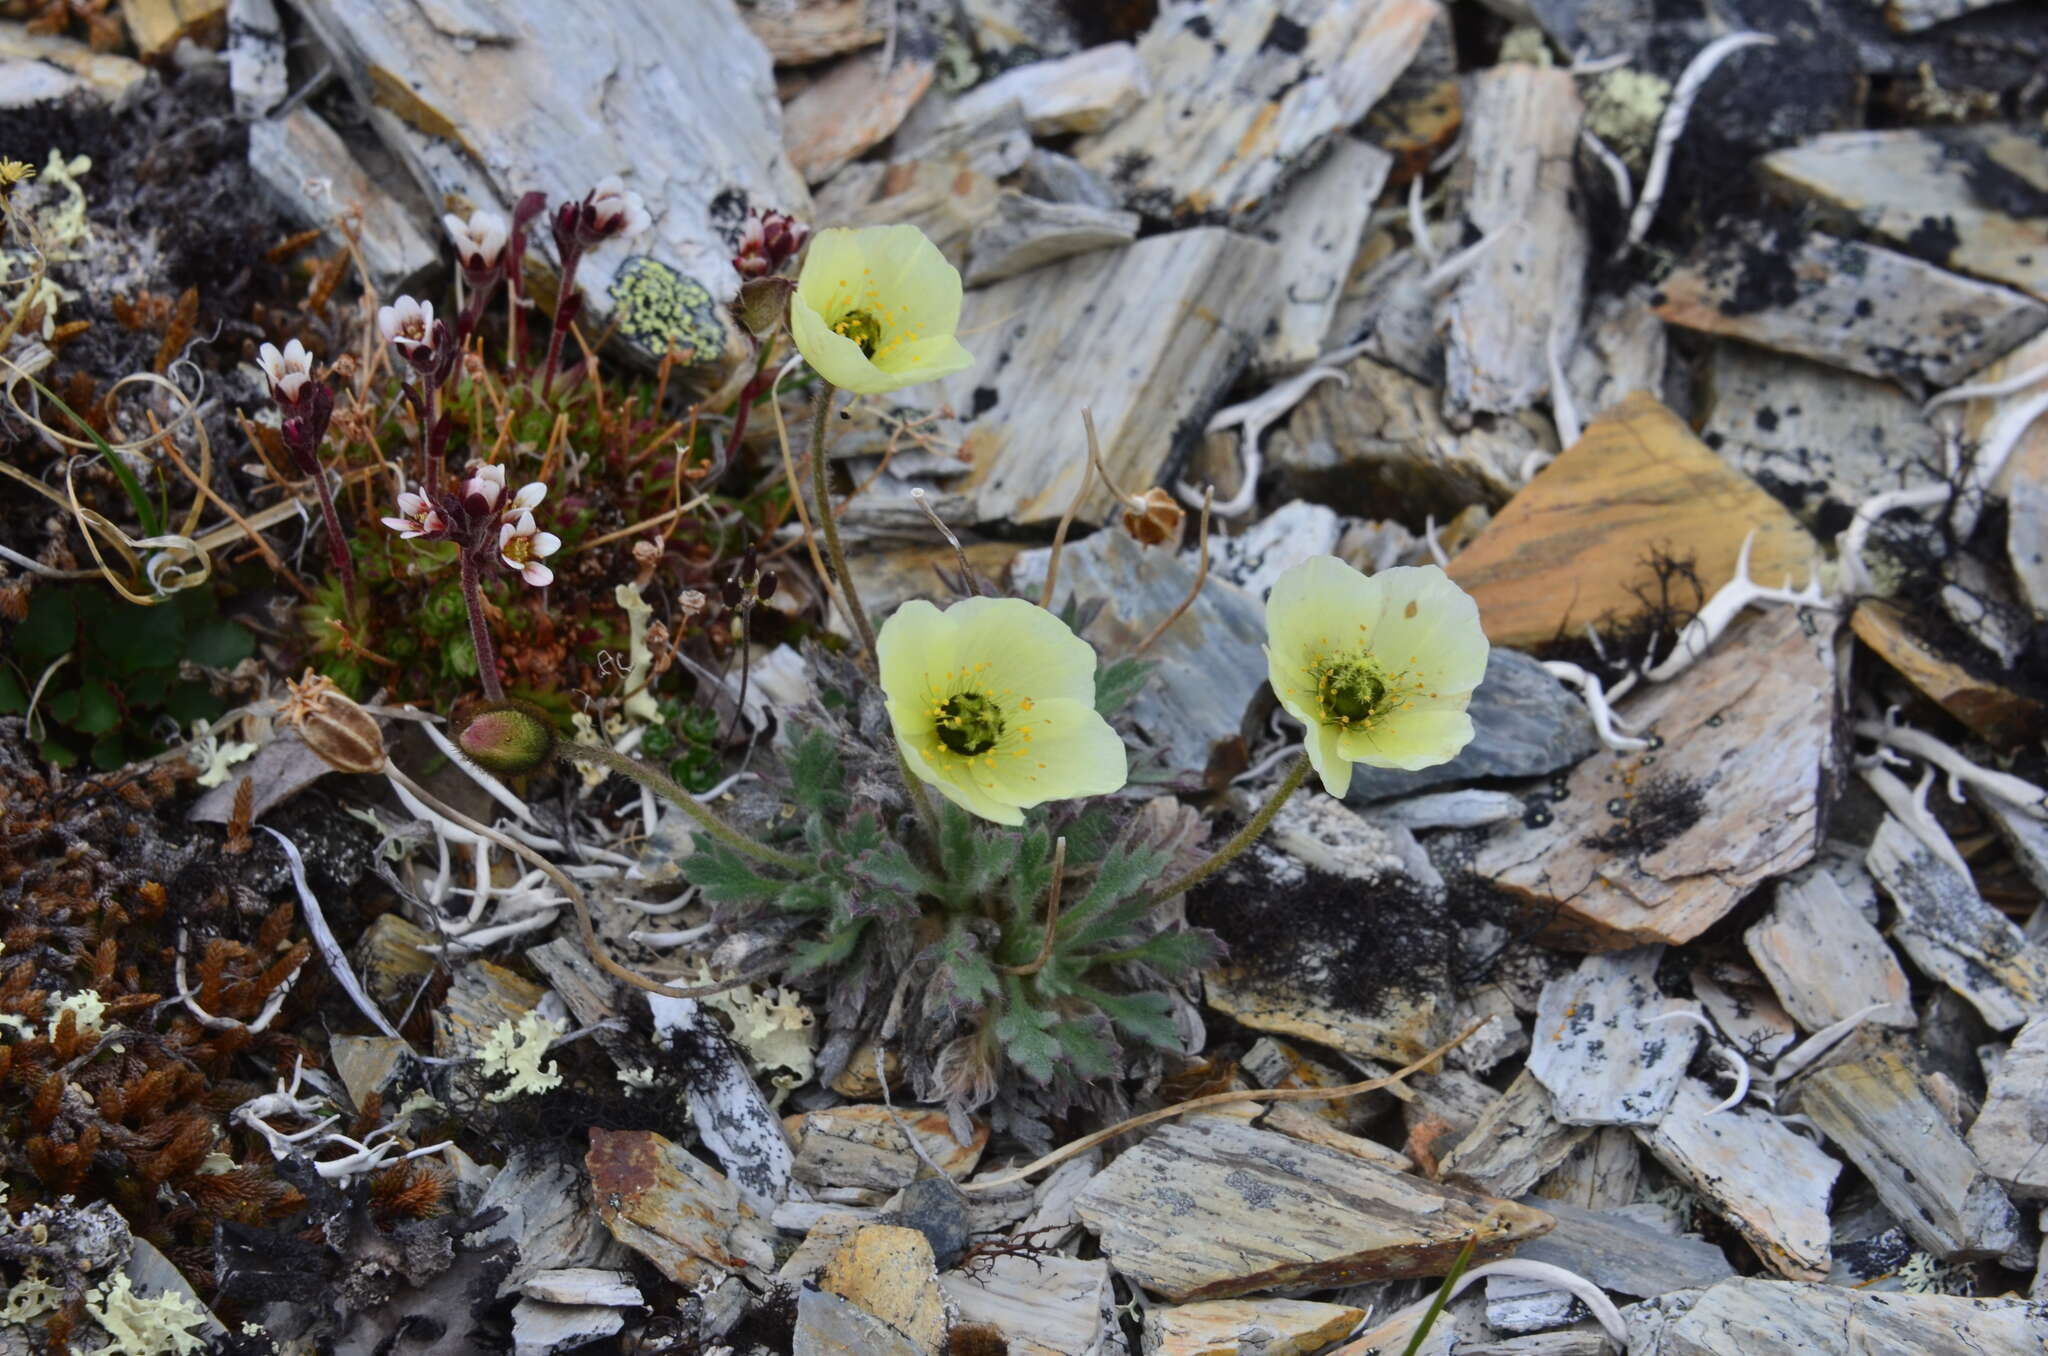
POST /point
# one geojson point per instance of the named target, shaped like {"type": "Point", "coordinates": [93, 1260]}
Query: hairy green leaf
{"type": "Point", "coordinates": [1115, 903]}
{"type": "Point", "coordinates": [1143, 1016]}
{"type": "Point", "coordinates": [890, 867]}
{"type": "Point", "coordinates": [1118, 685]}
{"type": "Point", "coordinates": [725, 877]}
{"type": "Point", "coordinates": [832, 950]}
{"type": "Point", "coordinates": [963, 978]}
{"type": "Point", "coordinates": [816, 776]}
{"type": "Point", "coordinates": [1088, 1046]}
{"type": "Point", "coordinates": [1177, 953]}
{"type": "Point", "coordinates": [1026, 1034]}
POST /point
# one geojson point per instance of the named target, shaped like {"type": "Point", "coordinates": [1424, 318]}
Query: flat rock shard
{"type": "Point", "coordinates": [1242, 95]}
{"type": "Point", "coordinates": [1602, 1046]}
{"type": "Point", "coordinates": [1848, 304]}
{"type": "Point", "coordinates": [1881, 1116]}
{"type": "Point", "coordinates": [1757, 1173]}
{"type": "Point", "coordinates": [1925, 190]}
{"type": "Point", "coordinates": [1516, 190]}
{"type": "Point", "coordinates": [1162, 326]}
{"type": "Point", "coordinates": [1657, 847]}
{"type": "Point", "coordinates": [1213, 1208]}
{"type": "Point", "coordinates": [1576, 543]}
{"type": "Point", "coordinates": [1755, 1317]}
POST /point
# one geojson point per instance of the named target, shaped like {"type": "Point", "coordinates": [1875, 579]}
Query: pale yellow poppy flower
{"type": "Point", "coordinates": [875, 309]}
{"type": "Point", "coordinates": [993, 703]}
{"type": "Point", "coordinates": [1378, 669]}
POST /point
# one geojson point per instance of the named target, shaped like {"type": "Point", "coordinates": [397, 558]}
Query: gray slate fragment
{"type": "Point", "coordinates": [1210, 664]}
{"type": "Point", "coordinates": [1525, 724]}
{"type": "Point", "coordinates": [1848, 304]}
{"type": "Point", "coordinates": [1954, 936]}
{"type": "Point", "coordinates": [1750, 1316]}
{"type": "Point", "coordinates": [1819, 439]}
{"type": "Point", "coordinates": [1599, 1047]}
{"type": "Point", "coordinates": [1061, 178]}
{"type": "Point", "coordinates": [542, 1329]}
{"type": "Point", "coordinates": [827, 1325]}
{"type": "Point", "coordinates": [2010, 1137]}
{"type": "Point", "coordinates": [1879, 1114]}
{"type": "Point", "coordinates": [1619, 1252]}
{"type": "Point", "coordinates": [1025, 232]}
{"type": "Point", "coordinates": [1824, 960]}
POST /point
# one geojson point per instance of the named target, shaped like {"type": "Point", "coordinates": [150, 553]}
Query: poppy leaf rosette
{"type": "Point", "coordinates": [993, 704]}
{"type": "Point", "coordinates": [1378, 668]}
{"type": "Point", "coordinates": [875, 309]}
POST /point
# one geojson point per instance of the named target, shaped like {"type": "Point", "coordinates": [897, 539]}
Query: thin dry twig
{"type": "Point", "coordinates": [1201, 577]}
{"type": "Point", "coordinates": [1059, 536]}
{"type": "Point", "coordinates": [1052, 913]}
{"type": "Point", "coordinates": [1086, 1142]}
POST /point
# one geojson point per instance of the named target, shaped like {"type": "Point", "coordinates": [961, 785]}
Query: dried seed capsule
{"type": "Point", "coordinates": [347, 738]}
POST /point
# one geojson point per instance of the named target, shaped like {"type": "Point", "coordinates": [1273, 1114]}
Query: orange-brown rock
{"type": "Point", "coordinates": [1996, 712]}
{"type": "Point", "coordinates": [1576, 542]}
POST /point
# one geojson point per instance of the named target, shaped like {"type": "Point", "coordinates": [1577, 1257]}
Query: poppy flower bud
{"type": "Point", "coordinates": [507, 738]}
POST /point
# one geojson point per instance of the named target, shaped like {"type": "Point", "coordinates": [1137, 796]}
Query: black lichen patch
{"type": "Point", "coordinates": [1934, 239]}
{"type": "Point", "coordinates": [769, 1322]}
{"type": "Point", "coordinates": [1665, 807]}
{"type": "Point", "coordinates": [1284, 36]}
{"type": "Point", "coordinates": [1350, 944]}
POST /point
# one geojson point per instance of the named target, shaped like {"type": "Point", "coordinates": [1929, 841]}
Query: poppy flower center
{"type": "Point", "coordinates": [862, 328]}
{"type": "Point", "coordinates": [969, 723]}
{"type": "Point", "coordinates": [1351, 690]}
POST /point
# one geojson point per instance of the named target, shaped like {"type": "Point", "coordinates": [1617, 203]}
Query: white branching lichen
{"type": "Point", "coordinates": [157, 1325]}
{"type": "Point", "coordinates": [514, 1051]}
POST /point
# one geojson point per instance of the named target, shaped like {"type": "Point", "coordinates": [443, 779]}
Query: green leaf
{"type": "Point", "coordinates": [1033, 874]}
{"type": "Point", "coordinates": [817, 778]}
{"type": "Point", "coordinates": [219, 643]}
{"type": "Point", "coordinates": [98, 712]}
{"type": "Point", "coordinates": [1088, 836]}
{"type": "Point", "coordinates": [956, 841]}
{"type": "Point", "coordinates": [59, 755]}
{"type": "Point", "coordinates": [725, 877]}
{"type": "Point", "coordinates": [110, 751]}
{"type": "Point", "coordinates": [823, 955]}
{"type": "Point", "coordinates": [137, 638]}
{"type": "Point", "coordinates": [50, 628]}
{"type": "Point", "coordinates": [1143, 1016]}
{"type": "Point", "coordinates": [809, 896]}
{"type": "Point", "coordinates": [964, 978]}
{"type": "Point", "coordinates": [188, 702]}
{"type": "Point", "coordinates": [889, 866]}
{"type": "Point", "coordinates": [1177, 953]}
{"type": "Point", "coordinates": [13, 696]}
{"type": "Point", "coordinates": [1026, 1034]}
{"type": "Point", "coordinates": [1088, 1046]}
{"type": "Point", "coordinates": [1116, 901]}
{"type": "Point", "coordinates": [1118, 685]}
{"type": "Point", "coordinates": [62, 706]}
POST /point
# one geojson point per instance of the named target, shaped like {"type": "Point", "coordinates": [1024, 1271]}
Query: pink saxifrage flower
{"type": "Point", "coordinates": [408, 324]}
{"type": "Point", "coordinates": [288, 370]}
{"type": "Point", "coordinates": [420, 519]}
{"type": "Point", "coordinates": [523, 546]}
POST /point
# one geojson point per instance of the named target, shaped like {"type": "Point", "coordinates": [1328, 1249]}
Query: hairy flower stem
{"type": "Point", "coordinates": [337, 545]}
{"type": "Point", "coordinates": [480, 629]}
{"type": "Point", "coordinates": [1244, 837]}
{"type": "Point", "coordinates": [564, 310]}
{"type": "Point", "coordinates": [822, 492]}
{"type": "Point", "coordinates": [662, 785]}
